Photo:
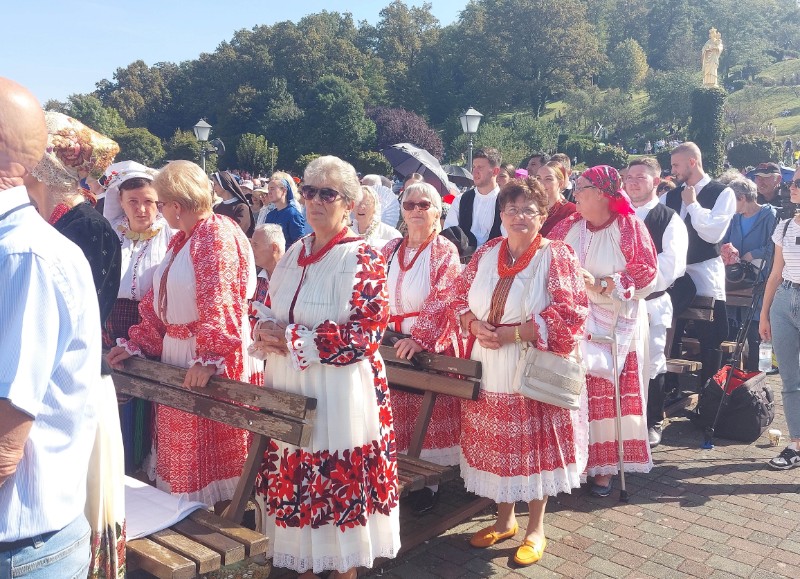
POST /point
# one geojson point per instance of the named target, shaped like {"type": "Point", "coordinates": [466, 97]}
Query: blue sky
{"type": "Point", "coordinates": [60, 47]}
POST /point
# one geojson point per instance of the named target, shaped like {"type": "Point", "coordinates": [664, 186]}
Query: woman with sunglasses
{"type": "Point", "coordinates": [619, 268]}
{"type": "Point", "coordinates": [320, 337]}
{"type": "Point", "coordinates": [519, 292]}
{"type": "Point", "coordinates": [421, 271]}
{"type": "Point", "coordinates": [553, 177]}
{"type": "Point", "coordinates": [234, 203]}
{"type": "Point", "coordinates": [196, 317]}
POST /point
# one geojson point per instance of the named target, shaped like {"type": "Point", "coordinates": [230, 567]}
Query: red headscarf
{"type": "Point", "coordinates": [609, 181]}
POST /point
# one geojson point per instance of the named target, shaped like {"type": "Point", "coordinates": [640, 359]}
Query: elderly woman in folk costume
{"type": "Point", "coordinates": [234, 203]}
{"type": "Point", "coordinates": [619, 267]}
{"type": "Point", "coordinates": [367, 220]}
{"type": "Point", "coordinates": [422, 268]}
{"type": "Point", "coordinates": [74, 151]}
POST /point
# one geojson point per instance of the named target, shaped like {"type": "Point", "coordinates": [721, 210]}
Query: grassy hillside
{"type": "Point", "coordinates": [779, 105]}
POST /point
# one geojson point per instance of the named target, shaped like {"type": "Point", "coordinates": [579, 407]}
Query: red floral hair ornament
{"type": "Point", "coordinates": [609, 181]}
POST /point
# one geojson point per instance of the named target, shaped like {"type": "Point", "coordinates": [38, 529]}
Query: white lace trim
{"type": "Point", "coordinates": [218, 363]}
{"type": "Point", "coordinates": [519, 488]}
{"type": "Point", "coordinates": [131, 349]}
{"type": "Point", "coordinates": [340, 564]}
{"type": "Point", "coordinates": [638, 467]}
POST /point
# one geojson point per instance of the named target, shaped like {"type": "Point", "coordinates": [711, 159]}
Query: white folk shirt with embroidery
{"type": "Point", "coordinates": [482, 215]}
{"type": "Point", "coordinates": [711, 225]}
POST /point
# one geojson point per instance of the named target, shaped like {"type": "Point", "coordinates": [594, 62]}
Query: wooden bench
{"type": "Point", "coordinates": [203, 541]}
{"type": "Point", "coordinates": [432, 375]}
{"type": "Point", "coordinates": [701, 309]}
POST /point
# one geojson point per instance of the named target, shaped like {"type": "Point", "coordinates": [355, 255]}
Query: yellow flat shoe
{"type": "Point", "coordinates": [529, 552]}
{"type": "Point", "coordinates": [488, 536]}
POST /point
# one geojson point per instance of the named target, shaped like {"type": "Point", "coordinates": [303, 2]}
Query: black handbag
{"type": "Point", "coordinates": [740, 275]}
{"type": "Point", "coordinates": [749, 408]}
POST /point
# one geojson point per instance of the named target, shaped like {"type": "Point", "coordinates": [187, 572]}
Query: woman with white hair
{"type": "Point", "coordinates": [390, 206]}
{"type": "Point", "coordinates": [367, 220]}
{"type": "Point", "coordinates": [331, 505]}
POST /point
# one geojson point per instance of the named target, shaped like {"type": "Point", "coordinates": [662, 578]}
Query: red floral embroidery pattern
{"type": "Point", "coordinates": [605, 453]}
{"type": "Point", "coordinates": [641, 266]}
{"type": "Point", "coordinates": [601, 392]}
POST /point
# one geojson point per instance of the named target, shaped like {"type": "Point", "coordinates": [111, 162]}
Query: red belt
{"type": "Point", "coordinates": [397, 320]}
{"type": "Point", "coordinates": [181, 331]}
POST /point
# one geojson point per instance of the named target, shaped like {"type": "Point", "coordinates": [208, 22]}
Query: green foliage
{"type": "Point", "coordinates": [139, 145]}
{"type": "Point", "coordinates": [253, 154]}
{"type": "Point", "coordinates": [606, 155]}
{"type": "Point", "coordinates": [705, 128]}
{"type": "Point", "coordinates": [302, 162]}
{"type": "Point", "coordinates": [372, 163]}
{"type": "Point", "coordinates": [628, 65]}
{"type": "Point", "coordinates": [183, 145]}
{"type": "Point", "coordinates": [90, 111]}
{"type": "Point", "coordinates": [670, 94]}
{"type": "Point", "coordinates": [664, 158]}
{"type": "Point", "coordinates": [578, 146]}
{"type": "Point", "coordinates": [751, 151]}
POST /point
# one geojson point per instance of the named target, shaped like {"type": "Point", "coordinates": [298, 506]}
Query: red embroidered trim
{"type": "Point", "coordinates": [602, 226]}
{"type": "Point", "coordinates": [60, 210]}
{"type": "Point", "coordinates": [401, 254]}
{"type": "Point", "coordinates": [304, 260]}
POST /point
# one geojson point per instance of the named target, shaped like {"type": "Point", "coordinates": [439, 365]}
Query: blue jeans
{"type": "Point", "coordinates": [63, 554]}
{"type": "Point", "coordinates": [784, 318]}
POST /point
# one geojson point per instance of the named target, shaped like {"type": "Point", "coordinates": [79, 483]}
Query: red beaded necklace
{"type": "Point", "coordinates": [401, 254]}
{"type": "Point", "coordinates": [304, 260]}
{"type": "Point", "coordinates": [504, 256]}
{"type": "Point", "coordinates": [58, 212]}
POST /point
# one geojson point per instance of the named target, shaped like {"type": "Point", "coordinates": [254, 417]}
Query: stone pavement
{"type": "Point", "coordinates": [699, 513]}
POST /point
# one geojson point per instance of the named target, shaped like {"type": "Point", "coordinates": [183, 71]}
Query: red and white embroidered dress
{"type": "Point", "coordinates": [623, 250]}
{"type": "Point", "coordinates": [418, 305]}
{"type": "Point", "coordinates": [207, 286]}
{"type": "Point", "coordinates": [513, 448]}
{"type": "Point", "coordinates": [332, 504]}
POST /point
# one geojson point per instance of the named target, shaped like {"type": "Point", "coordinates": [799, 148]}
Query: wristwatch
{"type": "Point", "coordinates": [603, 285]}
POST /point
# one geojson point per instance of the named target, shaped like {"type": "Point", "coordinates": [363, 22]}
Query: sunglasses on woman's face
{"type": "Point", "coordinates": [326, 194]}
{"type": "Point", "coordinates": [796, 183]}
{"type": "Point", "coordinates": [411, 205]}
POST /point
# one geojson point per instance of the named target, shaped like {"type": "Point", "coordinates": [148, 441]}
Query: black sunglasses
{"type": "Point", "coordinates": [796, 183]}
{"type": "Point", "coordinates": [326, 194]}
{"type": "Point", "coordinates": [411, 205]}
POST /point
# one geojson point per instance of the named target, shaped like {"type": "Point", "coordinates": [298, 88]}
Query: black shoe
{"type": "Point", "coordinates": [424, 500]}
{"type": "Point", "coordinates": [601, 492]}
{"type": "Point", "coordinates": [788, 458]}
{"type": "Point", "coordinates": [654, 436]}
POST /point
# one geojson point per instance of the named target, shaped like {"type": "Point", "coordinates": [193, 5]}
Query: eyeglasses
{"type": "Point", "coordinates": [526, 212]}
{"type": "Point", "coordinates": [160, 205]}
{"type": "Point", "coordinates": [796, 183]}
{"type": "Point", "coordinates": [326, 194]}
{"type": "Point", "coordinates": [411, 205]}
{"type": "Point", "coordinates": [586, 187]}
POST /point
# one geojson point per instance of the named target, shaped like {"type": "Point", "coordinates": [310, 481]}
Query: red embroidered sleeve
{"type": "Point", "coordinates": [566, 315]}
{"type": "Point", "coordinates": [220, 268]}
{"type": "Point", "coordinates": [559, 232]}
{"type": "Point", "coordinates": [641, 266]}
{"type": "Point", "coordinates": [146, 337]}
{"type": "Point", "coordinates": [458, 303]}
{"type": "Point", "coordinates": [358, 338]}
{"type": "Point", "coordinates": [430, 329]}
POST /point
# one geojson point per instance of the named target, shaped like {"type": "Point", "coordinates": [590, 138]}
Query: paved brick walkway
{"type": "Point", "coordinates": [699, 513]}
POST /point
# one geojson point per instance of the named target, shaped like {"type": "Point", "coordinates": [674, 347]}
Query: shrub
{"type": "Point", "coordinates": [752, 151]}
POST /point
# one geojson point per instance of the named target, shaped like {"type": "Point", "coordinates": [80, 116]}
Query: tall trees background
{"type": "Point", "coordinates": [327, 84]}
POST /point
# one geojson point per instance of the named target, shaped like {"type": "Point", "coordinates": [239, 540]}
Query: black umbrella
{"type": "Point", "coordinates": [406, 158]}
{"type": "Point", "coordinates": [459, 175]}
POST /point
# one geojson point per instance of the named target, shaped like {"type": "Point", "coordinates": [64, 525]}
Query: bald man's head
{"type": "Point", "coordinates": [23, 134]}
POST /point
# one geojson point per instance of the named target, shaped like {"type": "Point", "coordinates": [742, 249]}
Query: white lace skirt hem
{"type": "Point", "coordinates": [512, 489]}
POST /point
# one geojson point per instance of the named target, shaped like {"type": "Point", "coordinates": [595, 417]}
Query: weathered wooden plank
{"type": "Point", "coordinates": [699, 314]}
{"type": "Point", "coordinates": [282, 428]}
{"type": "Point", "coordinates": [157, 560]}
{"type": "Point", "coordinates": [421, 426]}
{"type": "Point", "coordinates": [244, 488]}
{"type": "Point", "coordinates": [205, 559]}
{"type": "Point", "coordinates": [435, 362]}
{"type": "Point", "coordinates": [283, 403]}
{"type": "Point", "coordinates": [254, 543]}
{"type": "Point", "coordinates": [230, 550]}
{"type": "Point", "coordinates": [679, 366]}
{"type": "Point", "coordinates": [406, 377]}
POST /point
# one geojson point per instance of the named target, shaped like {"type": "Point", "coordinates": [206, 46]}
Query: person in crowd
{"type": "Point", "coordinates": [54, 185]}
{"type": "Point", "coordinates": [367, 219]}
{"type": "Point", "coordinates": [619, 267]}
{"type": "Point", "coordinates": [535, 161]}
{"type": "Point", "coordinates": [421, 270]}
{"type": "Point", "coordinates": [409, 180]}
{"type": "Point", "coordinates": [768, 179]}
{"type": "Point", "coordinates": [553, 177]}
{"type": "Point", "coordinates": [234, 204]}
{"type": "Point", "coordinates": [506, 173]}
{"type": "Point", "coordinates": [519, 292]}
{"type": "Point", "coordinates": [707, 207]}
{"type": "Point", "coordinates": [564, 159]}
{"type": "Point", "coordinates": [196, 317]}
{"type": "Point", "coordinates": [320, 337]}
{"type": "Point", "coordinates": [476, 211]}
{"type": "Point", "coordinates": [48, 379]}
{"type": "Point", "coordinates": [749, 238]}
{"type": "Point", "coordinates": [390, 206]}
{"type": "Point", "coordinates": [782, 325]}
{"type": "Point", "coordinates": [281, 194]}
{"type": "Point", "coordinates": [144, 235]}
{"type": "Point", "coordinates": [671, 241]}
{"type": "Point", "coordinates": [268, 245]}
{"type": "Point", "coordinates": [664, 187]}
{"type": "Point", "coordinates": [247, 188]}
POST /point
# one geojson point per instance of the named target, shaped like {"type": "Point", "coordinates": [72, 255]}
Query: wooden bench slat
{"type": "Point", "coordinates": [157, 560]}
{"type": "Point", "coordinates": [460, 388]}
{"type": "Point", "coordinates": [698, 314]}
{"type": "Point", "coordinates": [436, 362]}
{"type": "Point", "coordinates": [205, 559]}
{"type": "Point", "coordinates": [230, 550]}
{"type": "Point", "coordinates": [254, 543]}
{"type": "Point", "coordinates": [679, 366]}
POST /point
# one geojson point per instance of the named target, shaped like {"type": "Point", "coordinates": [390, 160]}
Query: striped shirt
{"type": "Point", "coordinates": [790, 243]}
{"type": "Point", "coordinates": [49, 347]}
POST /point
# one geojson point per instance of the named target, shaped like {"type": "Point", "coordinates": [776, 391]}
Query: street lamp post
{"type": "Point", "coordinates": [272, 150]}
{"type": "Point", "coordinates": [470, 121]}
{"type": "Point", "coordinates": [201, 132]}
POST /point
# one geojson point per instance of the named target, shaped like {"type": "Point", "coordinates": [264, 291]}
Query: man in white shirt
{"type": "Point", "coordinates": [707, 208]}
{"type": "Point", "coordinates": [476, 211]}
{"type": "Point", "coordinates": [672, 244]}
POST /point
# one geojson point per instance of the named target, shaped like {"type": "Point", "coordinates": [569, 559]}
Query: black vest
{"type": "Point", "coordinates": [699, 250]}
{"type": "Point", "coordinates": [656, 222]}
{"type": "Point", "coordinates": [465, 209]}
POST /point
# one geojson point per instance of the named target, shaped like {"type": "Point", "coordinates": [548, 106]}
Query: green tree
{"type": "Point", "coordinates": [370, 162]}
{"type": "Point", "coordinates": [751, 151]}
{"type": "Point", "coordinates": [253, 154]}
{"type": "Point", "coordinates": [184, 145]}
{"type": "Point", "coordinates": [670, 94]}
{"type": "Point", "coordinates": [90, 111]}
{"type": "Point", "coordinates": [705, 128]}
{"type": "Point", "coordinates": [302, 162]}
{"type": "Point", "coordinates": [628, 65]}
{"type": "Point", "coordinates": [139, 145]}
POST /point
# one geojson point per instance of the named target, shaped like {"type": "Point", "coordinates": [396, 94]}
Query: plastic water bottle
{"type": "Point", "coordinates": [765, 356]}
